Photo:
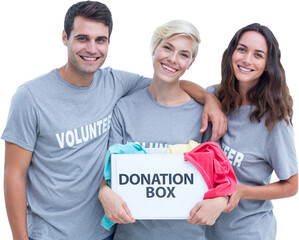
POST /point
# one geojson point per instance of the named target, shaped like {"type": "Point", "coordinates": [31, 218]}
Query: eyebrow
{"type": "Point", "coordinates": [84, 35]}
{"type": "Point", "coordinates": [81, 35]}
{"type": "Point", "coordinates": [181, 50]}
{"type": "Point", "coordinates": [243, 45]}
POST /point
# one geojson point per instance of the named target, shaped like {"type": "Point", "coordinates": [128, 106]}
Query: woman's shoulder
{"type": "Point", "coordinates": [212, 88]}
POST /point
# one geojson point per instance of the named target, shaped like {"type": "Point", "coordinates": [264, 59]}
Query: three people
{"type": "Point", "coordinates": [55, 145]}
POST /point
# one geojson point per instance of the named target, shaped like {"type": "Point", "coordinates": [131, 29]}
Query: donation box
{"type": "Point", "coordinates": [157, 185]}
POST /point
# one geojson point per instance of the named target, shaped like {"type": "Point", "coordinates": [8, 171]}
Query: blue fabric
{"type": "Point", "coordinates": [129, 148]}
{"type": "Point", "coordinates": [109, 237]}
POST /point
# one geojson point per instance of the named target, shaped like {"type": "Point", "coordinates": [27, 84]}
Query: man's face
{"type": "Point", "coordinates": [87, 45]}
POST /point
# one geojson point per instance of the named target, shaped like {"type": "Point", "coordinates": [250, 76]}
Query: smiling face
{"type": "Point", "coordinates": [172, 58]}
{"type": "Point", "coordinates": [87, 46]}
{"type": "Point", "coordinates": [249, 59]}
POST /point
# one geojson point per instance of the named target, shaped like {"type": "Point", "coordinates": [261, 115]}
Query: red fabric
{"type": "Point", "coordinates": [215, 168]}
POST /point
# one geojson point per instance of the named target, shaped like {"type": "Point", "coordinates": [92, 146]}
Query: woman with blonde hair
{"type": "Point", "coordinates": [159, 115]}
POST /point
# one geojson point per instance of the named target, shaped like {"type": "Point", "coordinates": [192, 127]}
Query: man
{"type": "Point", "coordinates": [57, 131]}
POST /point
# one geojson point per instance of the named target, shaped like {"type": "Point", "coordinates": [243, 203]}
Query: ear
{"type": "Point", "coordinates": [190, 64]}
{"type": "Point", "coordinates": [153, 53]}
{"type": "Point", "coordinates": [64, 38]}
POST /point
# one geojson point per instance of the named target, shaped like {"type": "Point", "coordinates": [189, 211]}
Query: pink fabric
{"type": "Point", "coordinates": [215, 168]}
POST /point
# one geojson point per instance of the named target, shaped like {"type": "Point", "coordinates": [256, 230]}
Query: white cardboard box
{"type": "Point", "coordinates": [157, 185]}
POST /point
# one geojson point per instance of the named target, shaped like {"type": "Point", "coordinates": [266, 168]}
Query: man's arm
{"type": "Point", "coordinates": [130, 82]}
{"type": "Point", "coordinates": [212, 109]}
{"type": "Point", "coordinates": [17, 161]}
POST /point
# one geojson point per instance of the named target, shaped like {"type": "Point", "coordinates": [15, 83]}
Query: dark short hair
{"type": "Point", "coordinates": [88, 9]}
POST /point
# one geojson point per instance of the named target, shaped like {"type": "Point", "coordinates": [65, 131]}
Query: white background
{"type": "Point", "coordinates": [31, 45]}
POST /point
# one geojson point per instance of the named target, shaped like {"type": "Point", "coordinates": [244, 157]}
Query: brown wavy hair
{"type": "Point", "coordinates": [270, 95]}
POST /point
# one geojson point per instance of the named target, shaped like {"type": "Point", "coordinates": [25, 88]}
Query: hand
{"type": "Point", "coordinates": [234, 199]}
{"type": "Point", "coordinates": [212, 113]}
{"type": "Point", "coordinates": [114, 206]}
{"type": "Point", "coordinates": [207, 211]}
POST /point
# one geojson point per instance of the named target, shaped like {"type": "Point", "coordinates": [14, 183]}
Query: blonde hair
{"type": "Point", "coordinates": [173, 29]}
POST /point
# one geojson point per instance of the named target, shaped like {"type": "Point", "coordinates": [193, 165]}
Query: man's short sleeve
{"type": "Point", "coordinates": [21, 128]}
{"type": "Point", "coordinates": [131, 82]}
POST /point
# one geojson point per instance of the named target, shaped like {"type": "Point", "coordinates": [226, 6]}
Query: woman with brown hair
{"type": "Point", "coordinates": [254, 95]}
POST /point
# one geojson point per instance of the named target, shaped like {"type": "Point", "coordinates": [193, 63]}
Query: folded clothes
{"type": "Point", "coordinates": [181, 148]}
{"type": "Point", "coordinates": [215, 168]}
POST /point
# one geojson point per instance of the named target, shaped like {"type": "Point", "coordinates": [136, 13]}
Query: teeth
{"type": "Point", "coordinates": [168, 68]}
{"type": "Point", "coordinates": [89, 58]}
{"type": "Point", "coordinates": [245, 69]}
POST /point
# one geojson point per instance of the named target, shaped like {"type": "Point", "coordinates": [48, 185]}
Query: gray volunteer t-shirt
{"type": "Point", "coordinates": [67, 128]}
{"type": "Point", "coordinates": [254, 154]}
{"type": "Point", "coordinates": [139, 118]}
